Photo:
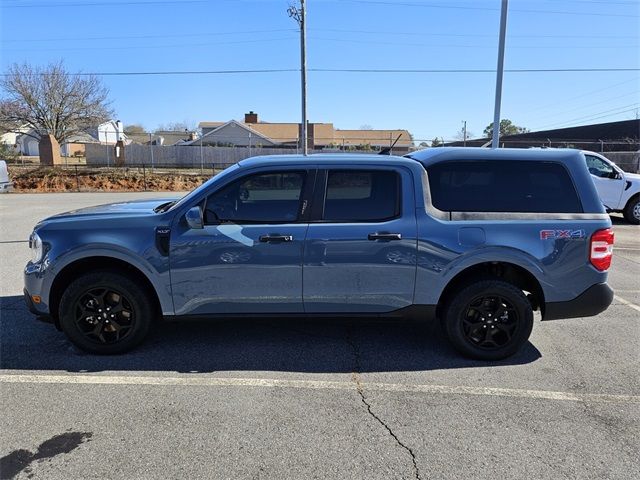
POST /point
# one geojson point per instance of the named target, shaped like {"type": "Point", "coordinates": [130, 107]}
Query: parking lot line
{"type": "Point", "coordinates": [627, 303]}
{"type": "Point", "coordinates": [80, 379]}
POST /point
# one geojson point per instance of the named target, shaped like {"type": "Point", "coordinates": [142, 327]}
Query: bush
{"type": "Point", "coordinates": [7, 152]}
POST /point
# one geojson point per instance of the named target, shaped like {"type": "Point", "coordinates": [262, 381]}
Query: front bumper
{"type": "Point", "coordinates": [592, 301]}
{"type": "Point", "coordinates": [31, 306]}
{"type": "Point", "coordinates": [34, 284]}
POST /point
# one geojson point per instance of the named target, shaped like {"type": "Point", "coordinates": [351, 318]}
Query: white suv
{"type": "Point", "coordinates": [618, 190]}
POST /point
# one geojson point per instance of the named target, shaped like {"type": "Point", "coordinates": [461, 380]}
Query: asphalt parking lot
{"type": "Point", "coordinates": [315, 399]}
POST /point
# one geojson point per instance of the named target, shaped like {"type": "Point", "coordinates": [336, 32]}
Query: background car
{"type": "Point", "coordinates": [619, 190]}
{"type": "Point", "coordinates": [5, 184]}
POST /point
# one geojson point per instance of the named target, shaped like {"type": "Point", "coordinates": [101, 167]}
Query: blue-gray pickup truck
{"type": "Point", "coordinates": [475, 238]}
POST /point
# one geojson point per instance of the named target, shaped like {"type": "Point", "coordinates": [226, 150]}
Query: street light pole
{"type": "Point", "coordinates": [496, 111]}
{"type": "Point", "coordinates": [299, 14]}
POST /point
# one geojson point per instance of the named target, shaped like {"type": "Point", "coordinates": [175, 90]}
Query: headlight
{"type": "Point", "coordinates": [35, 244]}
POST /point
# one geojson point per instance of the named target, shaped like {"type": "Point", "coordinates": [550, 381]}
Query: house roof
{"type": "Point", "coordinates": [210, 124]}
{"type": "Point", "coordinates": [142, 138]}
{"type": "Point", "coordinates": [322, 133]}
{"type": "Point", "coordinates": [171, 137]}
{"type": "Point", "coordinates": [82, 137]}
{"type": "Point", "coordinates": [278, 132]}
{"type": "Point", "coordinates": [382, 138]}
{"type": "Point", "coordinates": [244, 126]}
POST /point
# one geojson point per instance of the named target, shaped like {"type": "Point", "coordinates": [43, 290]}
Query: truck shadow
{"type": "Point", "coordinates": [285, 345]}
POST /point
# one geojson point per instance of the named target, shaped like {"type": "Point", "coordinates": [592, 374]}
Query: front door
{"type": "Point", "coordinates": [608, 184]}
{"type": "Point", "coordinates": [360, 251]}
{"type": "Point", "coordinates": [248, 256]}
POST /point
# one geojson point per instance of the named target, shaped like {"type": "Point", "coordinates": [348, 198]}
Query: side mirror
{"type": "Point", "coordinates": [194, 218]}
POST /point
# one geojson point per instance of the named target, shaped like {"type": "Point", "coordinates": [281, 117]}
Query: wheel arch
{"type": "Point", "coordinates": [495, 270]}
{"type": "Point", "coordinates": [630, 201]}
{"type": "Point", "coordinates": [88, 264]}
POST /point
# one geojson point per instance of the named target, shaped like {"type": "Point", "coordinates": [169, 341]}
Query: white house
{"type": "Point", "coordinates": [11, 138]}
{"type": "Point", "coordinates": [109, 132]}
{"type": "Point", "coordinates": [29, 146]}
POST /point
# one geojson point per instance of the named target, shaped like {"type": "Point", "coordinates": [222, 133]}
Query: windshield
{"type": "Point", "coordinates": [194, 193]}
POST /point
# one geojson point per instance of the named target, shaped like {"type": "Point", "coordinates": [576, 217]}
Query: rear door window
{"type": "Point", "coordinates": [503, 186]}
{"type": "Point", "coordinates": [361, 196]}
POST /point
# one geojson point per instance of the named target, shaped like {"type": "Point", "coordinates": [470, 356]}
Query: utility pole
{"type": "Point", "coordinates": [496, 111]}
{"type": "Point", "coordinates": [464, 133]}
{"type": "Point", "coordinates": [201, 154]}
{"type": "Point", "coordinates": [298, 14]}
{"type": "Point", "coordinates": [151, 148]}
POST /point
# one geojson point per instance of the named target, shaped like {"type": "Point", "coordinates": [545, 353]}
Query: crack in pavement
{"type": "Point", "coordinates": [355, 377]}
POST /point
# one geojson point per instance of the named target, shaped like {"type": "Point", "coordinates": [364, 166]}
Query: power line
{"type": "Point", "coordinates": [512, 70]}
{"type": "Point", "coordinates": [133, 37]}
{"type": "Point", "coordinates": [345, 70]}
{"type": "Point", "coordinates": [146, 47]}
{"type": "Point", "coordinates": [593, 104]}
{"type": "Point", "coordinates": [461, 7]}
{"type": "Point", "coordinates": [605, 2]}
{"type": "Point", "coordinates": [595, 116]}
{"type": "Point", "coordinates": [366, 42]}
{"type": "Point", "coordinates": [100, 4]}
{"type": "Point", "coordinates": [470, 46]}
{"type": "Point", "coordinates": [465, 35]}
{"type": "Point", "coordinates": [582, 95]}
{"type": "Point", "coordinates": [334, 30]}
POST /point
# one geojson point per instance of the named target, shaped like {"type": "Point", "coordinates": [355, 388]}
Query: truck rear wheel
{"type": "Point", "coordinates": [489, 320]}
{"type": "Point", "coordinates": [632, 210]}
{"type": "Point", "coordinates": [105, 312]}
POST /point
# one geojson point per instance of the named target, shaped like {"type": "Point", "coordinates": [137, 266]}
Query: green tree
{"type": "Point", "coordinates": [507, 127]}
{"type": "Point", "coordinates": [436, 142]}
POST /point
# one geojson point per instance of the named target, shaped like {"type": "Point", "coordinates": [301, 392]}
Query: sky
{"type": "Point", "coordinates": [108, 36]}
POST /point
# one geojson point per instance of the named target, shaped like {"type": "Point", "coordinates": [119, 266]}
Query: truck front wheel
{"type": "Point", "coordinates": [105, 312]}
{"type": "Point", "coordinates": [632, 210]}
{"type": "Point", "coordinates": [488, 320]}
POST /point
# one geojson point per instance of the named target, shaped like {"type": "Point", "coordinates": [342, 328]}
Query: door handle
{"type": "Point", "coordinates": [384, 236]}
{"type": "Point", "coordinates": [274, 237]}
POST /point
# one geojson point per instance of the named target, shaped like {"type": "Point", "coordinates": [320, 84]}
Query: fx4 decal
{"type": "Point", "coordinates": [553, 234]}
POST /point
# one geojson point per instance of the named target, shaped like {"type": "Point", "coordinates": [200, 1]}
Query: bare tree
{"type": "Point", "coordinates": [134, 128]}
{"type": "Point", "coordinates": [51, 101]}
{"type": "Point", "coordinates": [460, 134]}
{"type": "Point", "coordinates": [176, 126]}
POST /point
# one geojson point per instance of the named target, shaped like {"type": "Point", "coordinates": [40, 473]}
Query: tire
{"type": "Point", "coordinates": [105, 312]}
{"type": "Point", "coordinates": [632, 210]}
{"type": "Point", "coordinates": [488, 320]}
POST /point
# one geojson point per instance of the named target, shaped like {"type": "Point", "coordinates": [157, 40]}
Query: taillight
{"type": "Point", "coordinates": [601, 249]}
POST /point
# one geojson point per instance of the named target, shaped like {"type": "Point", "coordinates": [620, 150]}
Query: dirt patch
{"type": "Point", "coordinates": [48, 179]}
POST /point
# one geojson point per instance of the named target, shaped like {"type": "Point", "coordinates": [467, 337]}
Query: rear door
{"type": "Point", "coordinates": [360, 249]}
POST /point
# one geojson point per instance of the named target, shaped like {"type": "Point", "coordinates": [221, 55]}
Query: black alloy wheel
{"type": "Point", "coordinates": [488, 319]}
{"type": "Point", "coordinates": [104, 315]}
{"type": "Point", "coordinates": [106, 312]}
